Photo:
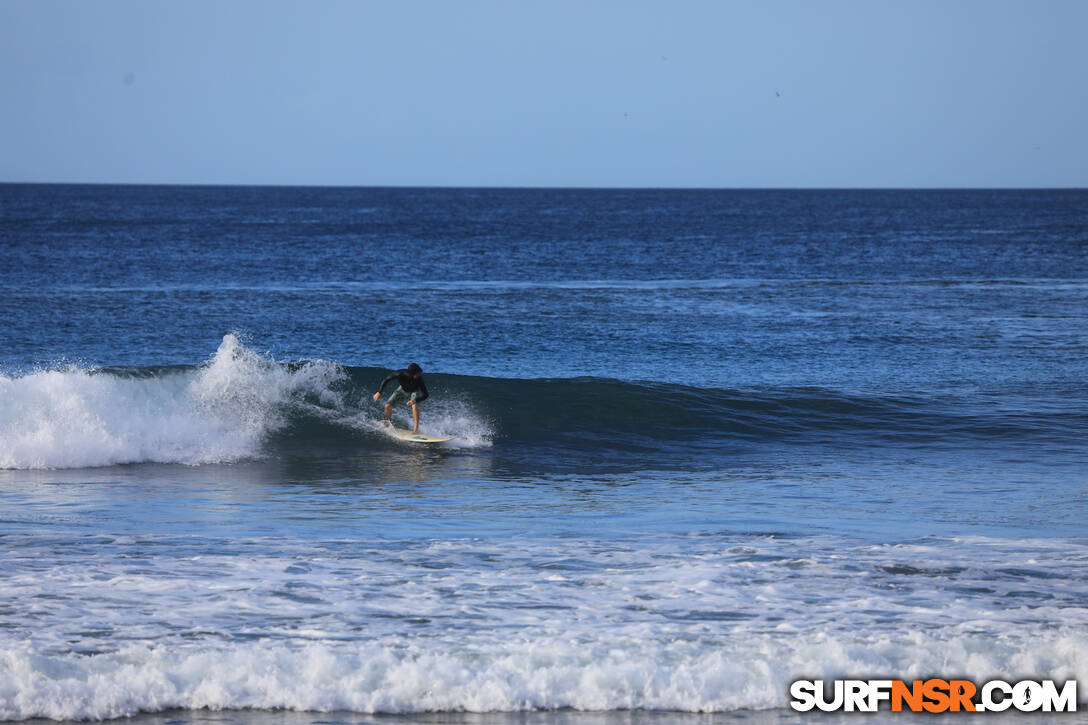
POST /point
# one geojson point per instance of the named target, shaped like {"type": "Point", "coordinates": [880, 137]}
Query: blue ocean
{"type": "Point", "coordinates": [704, 443]}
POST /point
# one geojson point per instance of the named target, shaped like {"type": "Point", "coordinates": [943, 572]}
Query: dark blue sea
{"type": "Point", "coordinates": [704, 443]}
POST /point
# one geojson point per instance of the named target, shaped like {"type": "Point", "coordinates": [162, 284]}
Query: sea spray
{"type": "Point", "coordinates": [217, 412]}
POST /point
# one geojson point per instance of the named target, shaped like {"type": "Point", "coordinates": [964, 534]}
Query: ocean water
{"type": "Point", "coordinates": [705, 443]}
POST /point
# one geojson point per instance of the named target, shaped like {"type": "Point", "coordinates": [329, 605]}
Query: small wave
{"type": "Point", "coordinates": [525, 673]}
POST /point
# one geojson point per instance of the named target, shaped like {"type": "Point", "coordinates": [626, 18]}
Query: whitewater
{"type": "Point", "coordinates": [697, 624]}
{"type": "Point", "coordinates": [219, 412]}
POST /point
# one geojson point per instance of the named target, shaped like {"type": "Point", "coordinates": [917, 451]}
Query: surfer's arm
{"type": "Point", "coordinates": [423, 391]}
{"type": "Point", "coordinates": [392, 376]}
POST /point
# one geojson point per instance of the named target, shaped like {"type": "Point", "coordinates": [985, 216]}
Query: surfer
{"type": "Point", "coordinates": [411, 386]}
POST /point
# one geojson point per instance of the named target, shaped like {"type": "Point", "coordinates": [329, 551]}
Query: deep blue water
{"type": "Point", "coordinates": [704, 442]}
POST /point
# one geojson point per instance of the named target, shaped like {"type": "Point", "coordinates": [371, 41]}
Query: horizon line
{"type": "Point", "coordinates": [497, 187]}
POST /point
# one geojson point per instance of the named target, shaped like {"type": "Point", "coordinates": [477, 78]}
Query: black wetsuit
{"type": "Point", "coordinates": [408, 383]}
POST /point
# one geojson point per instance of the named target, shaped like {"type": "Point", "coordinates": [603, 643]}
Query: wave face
{"type": "Point", "coordinates": [245, 405]}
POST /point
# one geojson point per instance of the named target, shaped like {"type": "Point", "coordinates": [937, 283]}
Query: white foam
{"type": "Point", "coordinates": [403, 675]}
{"type": "Point", "coordinates": [104, 628]}
{"type": "Point", "coordinates": [444, 414]}
{"type": "Point", "coordinates": [451, 418]}
{"type": "Point", "coordinates": [217, 413]}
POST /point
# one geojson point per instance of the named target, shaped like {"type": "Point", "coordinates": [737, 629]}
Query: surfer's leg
{"type": "Point", "coordinates": [392, 400]}
{"type": "Point", "coordinates": [415, 414]}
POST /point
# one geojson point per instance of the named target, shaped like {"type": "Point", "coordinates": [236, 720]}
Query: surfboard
{"type": "Point", "coordinates": [407, 435]}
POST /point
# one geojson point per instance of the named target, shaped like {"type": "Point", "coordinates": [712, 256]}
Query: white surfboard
{"type": "Point", "coordinates": [407, 435]}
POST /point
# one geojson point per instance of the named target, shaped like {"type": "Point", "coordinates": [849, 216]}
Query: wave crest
{"type": "Point", "coordinates": [218, 412]}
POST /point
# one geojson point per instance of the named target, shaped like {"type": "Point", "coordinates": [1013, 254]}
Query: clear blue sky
{"type": "Point", "coordinates": [581, 93]}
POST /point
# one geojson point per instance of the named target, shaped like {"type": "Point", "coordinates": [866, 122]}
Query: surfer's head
{"type": "Point", "coordinates": [415, 370]}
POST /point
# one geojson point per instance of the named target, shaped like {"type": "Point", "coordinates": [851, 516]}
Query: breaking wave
{"type": "Point", "coordinates": [241, 404]}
